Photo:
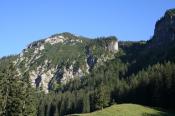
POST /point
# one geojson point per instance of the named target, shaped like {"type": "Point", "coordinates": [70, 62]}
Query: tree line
{"type": "Point", "coordinates": [116, 81]}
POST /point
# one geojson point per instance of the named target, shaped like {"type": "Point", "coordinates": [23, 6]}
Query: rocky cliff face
{"type": "Point", "coordinates": [60, 58]}
{"type": "Point", "coordinates": [113, 46]}
{"type": "Point", "coordinates": [165, 28]}
{"type": "Point", "coordinates": [162, 45]}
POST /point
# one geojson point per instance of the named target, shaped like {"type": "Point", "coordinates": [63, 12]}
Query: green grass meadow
{"type": "Point", "coordinates": [128, 110]}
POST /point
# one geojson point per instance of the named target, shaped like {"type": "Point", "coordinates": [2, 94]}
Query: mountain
{"type": "Point", "coordinates": [82, 75]}
{"type": "Point", "coordinates": [165, 28]}
{"type": "Point", "coordinates": [164, 36]}
{"type": "Point", "coordinates": [59, 58]}
{"type": "Point", "coordinates": [159, 49]}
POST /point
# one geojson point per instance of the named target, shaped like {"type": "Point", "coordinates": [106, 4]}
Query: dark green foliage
{"type": "Point", "coordinates": [170, 12]}
{"type": "Point", "coordinates": [12, 92]}
{"type": "Point", "coordinates": [86, 103]}
{"type": "Point", "coordinates": [16, 96]}
{"type": "Point", "coordinates": [30, 106]}
{"type": "Point", "coordinates": [101, 97]}
{"type": "Point", "coordinates": [141, 72]}
{"type": "Point", "coordinates": [114, 81]}
{"type": "Point", "coordinates": [154, 86]}
{"type": "Point", "coordinates": [126, 78]}
{"type": "Point", "coordinates": [64, 53]}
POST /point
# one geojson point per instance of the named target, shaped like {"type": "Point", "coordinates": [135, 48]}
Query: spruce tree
{"type": "Point", "coordinates": [13, 92]}
{"type": "Point", "coordinates": [30, 106]}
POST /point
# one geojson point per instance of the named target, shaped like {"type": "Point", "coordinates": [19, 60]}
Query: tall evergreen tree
{"type": "Point", "coordinates": [102, 97]}
{"type": "Point", "coordinates": [13, 92]}
{"type": "Point", "coordinates": [30, 106]}
{"type": "Point", "coordinates": [86, 103]}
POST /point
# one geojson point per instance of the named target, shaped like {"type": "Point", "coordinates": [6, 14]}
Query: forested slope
{"type": "Point", "coordinates": [140, 72]}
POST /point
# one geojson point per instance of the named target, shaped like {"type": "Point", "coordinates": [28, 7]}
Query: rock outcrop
{"type": "Point", "coordinates": [165, 28]}
{"type": "Point", "coordinates": [113, 46]}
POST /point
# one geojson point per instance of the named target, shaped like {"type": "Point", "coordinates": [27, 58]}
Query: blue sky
{"type": "Point", "coordinates": [24, 21]}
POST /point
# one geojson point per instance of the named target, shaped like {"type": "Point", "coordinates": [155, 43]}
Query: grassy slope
{"type": "Point", "coordinates": [129, 110]}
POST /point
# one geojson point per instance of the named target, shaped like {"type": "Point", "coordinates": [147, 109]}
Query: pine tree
{"type": "Point", "coordinates": [86, 103]}
{"type": "Point", "coordinates": [13, 93]}
{"type": "Point", "coordinates": [2, 91]}
{"type": "Point", "coordinates": [30, 105]}
{"type": "Point", "coordinates": [102, 97]}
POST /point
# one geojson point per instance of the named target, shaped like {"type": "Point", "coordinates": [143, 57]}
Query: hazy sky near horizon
{"type": "Point", "coordinates": [24, 21]}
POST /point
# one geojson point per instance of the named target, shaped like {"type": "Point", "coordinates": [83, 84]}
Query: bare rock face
{"type": "Point", "coordinates": [113, 46]}
{"type": "Point", "coordinates": [165, 28]}
{"type": "Point", "coordinates": [41, 76]}
{"type": "Point", "coordinates": [69, 74]}
{"type": "Point", "coordinates": [54, 40]}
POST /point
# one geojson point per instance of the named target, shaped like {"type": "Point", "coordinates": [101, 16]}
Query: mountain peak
{"type": "Point", "coordinates": [64, 34]}
{"type": "Point", "coordinates": [56, 38]}
{"type": "Point", "coordinates": [63, 57]}
{"type": "Point", "coordinates": [165, 28]}
{"type": "Point", "coordinates": [170, 12]}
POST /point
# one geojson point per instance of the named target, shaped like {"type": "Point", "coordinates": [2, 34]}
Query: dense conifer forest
{"type": "Point", "coordinates": [141, 72]}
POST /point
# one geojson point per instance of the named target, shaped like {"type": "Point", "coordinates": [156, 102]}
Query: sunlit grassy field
{"type": "Point", "coordinates": [129, 110]}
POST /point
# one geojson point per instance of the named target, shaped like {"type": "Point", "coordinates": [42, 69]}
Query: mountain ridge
{"type": "Point", "coordinates": [62, 57]}
{"type": "Point", "coordinates": [70, 76]}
